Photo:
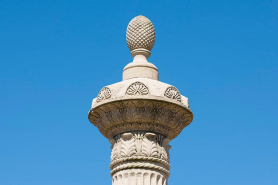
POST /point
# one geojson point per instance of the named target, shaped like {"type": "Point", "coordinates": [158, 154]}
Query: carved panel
{"type": "Point", "coordinates": [103, 94]}
{"type": "Point", "coordinates": [137, 88]}
{"type": "Point", "coordinates": [172, 93]}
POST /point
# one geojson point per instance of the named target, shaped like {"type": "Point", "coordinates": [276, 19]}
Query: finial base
{"type": "Point", "coordinates": [141, 51]}
{"type": "Point", "coordinates": [140, 68]}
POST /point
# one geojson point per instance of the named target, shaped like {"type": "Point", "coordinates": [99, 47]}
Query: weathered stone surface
{"type": "Point", "coordinates": [139, 177]}
{"type": "Point", "coordinates": [140, 115]}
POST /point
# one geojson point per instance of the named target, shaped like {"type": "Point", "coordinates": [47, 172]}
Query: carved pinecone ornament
{"type": "Point", "coordinates": [140, 33]}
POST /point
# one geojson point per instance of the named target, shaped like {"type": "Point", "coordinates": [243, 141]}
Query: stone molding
{"type": "Point", "coordinates": [130, 115]}
{"type": "Point", "coordinates": [140, 88]}
{"type": "Point", "coordinates": [139, 165]}
{"type": "Point", "coordinates": [139, 177]}
{"type": "Point", "coordinates": [140, 158]}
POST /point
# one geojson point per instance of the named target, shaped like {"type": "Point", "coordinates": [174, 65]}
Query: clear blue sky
{"type": "Point", "coordinates": [55, 56]}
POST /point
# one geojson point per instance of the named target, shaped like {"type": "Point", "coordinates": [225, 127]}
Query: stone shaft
{"type": "Point", "coordinates": [139, 177]}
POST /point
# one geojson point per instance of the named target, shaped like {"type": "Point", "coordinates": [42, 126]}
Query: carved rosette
{"type": "Point", "coordinates": [117, 117]}
{"type": "Point", "coordinates": [140, 150]}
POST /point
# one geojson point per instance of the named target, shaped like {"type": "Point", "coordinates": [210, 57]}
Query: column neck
{"type": "Point", "coordinates": [140, 158]}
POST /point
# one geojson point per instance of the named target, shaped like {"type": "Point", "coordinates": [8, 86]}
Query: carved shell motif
{"type": "Point", "coordinates": [172, 93]}
{"type": "Point", "coordinates": [103, 94]}
{"type": "Point", "coordinates": [137, 88]}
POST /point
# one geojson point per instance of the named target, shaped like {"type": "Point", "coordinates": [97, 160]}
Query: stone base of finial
{"type": "Point", "coordinates": [141, 51]}
{"type": "Point", "coordinates": [140, 70]}
{"type": "Point", "coordinates": [140, 67]}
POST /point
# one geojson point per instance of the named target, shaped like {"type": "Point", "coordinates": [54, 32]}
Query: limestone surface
{"type": "Point", "coordinates": [140, 115]}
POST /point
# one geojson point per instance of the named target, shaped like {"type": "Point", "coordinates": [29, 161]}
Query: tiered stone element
{"type": "Point", "coordinates": [140, 115]}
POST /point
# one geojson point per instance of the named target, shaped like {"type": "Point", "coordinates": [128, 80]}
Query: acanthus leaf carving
{"type": "Point", "coordinates": [138, 142]}
{"type": "Point", "coordinates": [114, 149]}
{"type": "Point", "coordinates": [128, 148]}
{"type": "Point", "coordinates": [146, 149]}
{"type": "Point", "coordinates": [165, 149]}
{"type": "Point", "coordinates": [149, 147]}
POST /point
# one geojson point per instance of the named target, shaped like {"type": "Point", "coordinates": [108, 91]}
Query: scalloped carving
{"type": "Point", "coordinates": [137, 88]}
{"type": "Point", "coordinates": [172, 93]}
{"type": "Point", "coordinates": [103, 94]}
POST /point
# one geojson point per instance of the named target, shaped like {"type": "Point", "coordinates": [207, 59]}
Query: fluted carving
{"type": "Point", "coordinates": [142, 177]}
{"type": "Point", "coordinates": [139, 177]}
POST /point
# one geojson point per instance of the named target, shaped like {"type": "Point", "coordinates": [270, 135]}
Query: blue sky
{"type": "Point", "coordinates": [55, 56]}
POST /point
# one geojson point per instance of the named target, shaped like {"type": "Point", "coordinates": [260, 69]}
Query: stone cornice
{"type": "Point", "coordinates": [139, 113]}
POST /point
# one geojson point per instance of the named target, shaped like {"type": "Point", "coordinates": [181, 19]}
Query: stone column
{"type": "Point", "coordinates": [140, 115]}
